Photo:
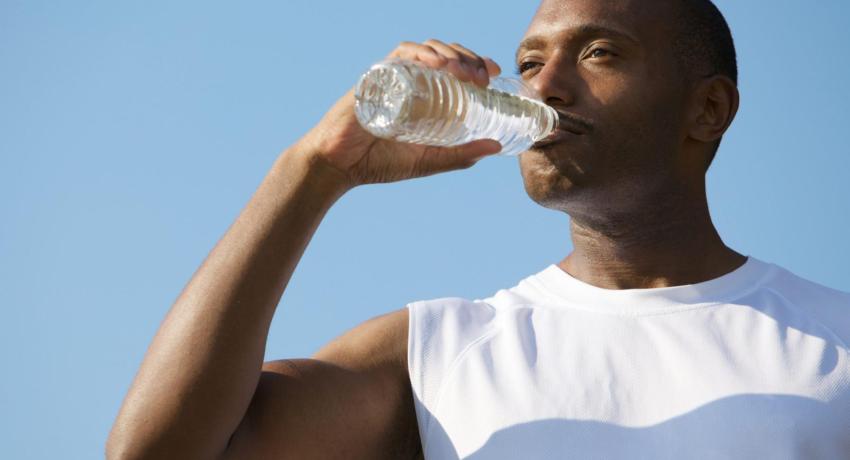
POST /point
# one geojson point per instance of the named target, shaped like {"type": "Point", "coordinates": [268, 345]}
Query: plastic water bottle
{"type": "Point", "coordinates": [406, 101]}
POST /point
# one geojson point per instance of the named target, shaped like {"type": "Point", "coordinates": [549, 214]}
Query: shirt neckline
{"type": "Point", "coordinates": [570, 291]}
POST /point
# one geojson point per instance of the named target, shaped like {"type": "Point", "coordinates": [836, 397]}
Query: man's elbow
{"type": "Point", "coordinates": [118, 448]}
{"type": "Point", "coordinates": [124, 444]}
{"type": "Point", "coordinates": [124, 447]}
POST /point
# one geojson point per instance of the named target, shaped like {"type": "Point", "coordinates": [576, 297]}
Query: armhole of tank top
{"type": "Point", "coordinates": [447, 378]}
{"type": "Point", "coordinates": [429, 414]}
{"type": "Point", "coordinates": [411, 321]}
{"type": "Point", "coordinates": [486, 335]}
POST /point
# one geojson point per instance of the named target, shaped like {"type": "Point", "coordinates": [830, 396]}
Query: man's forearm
{"type": "Point", "coordinates": [202, 368]}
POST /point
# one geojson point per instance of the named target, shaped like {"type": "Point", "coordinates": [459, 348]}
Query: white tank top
{"type": "Point", "coordinates": [751, 365]}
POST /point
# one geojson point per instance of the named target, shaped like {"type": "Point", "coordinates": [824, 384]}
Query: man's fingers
{"type": "Point", "coordinates": [460, 64]}
{"type": "Point", "coordinates": [492, 68]}
{"type": "Point", "coordinates": [419, 52]}
{"type": "Point", "coordinates": [458, 60]}
{"type": "Point", "coordinates": [482, 72]}
{"type": "Point", "coordinates": [442, 159]}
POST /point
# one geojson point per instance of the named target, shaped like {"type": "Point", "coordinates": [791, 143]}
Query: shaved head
{"type": "Point", "coordinates": [704, 44]}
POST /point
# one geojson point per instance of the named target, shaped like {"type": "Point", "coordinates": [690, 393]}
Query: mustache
{"type": "Point", "coordinates": [574, 123]}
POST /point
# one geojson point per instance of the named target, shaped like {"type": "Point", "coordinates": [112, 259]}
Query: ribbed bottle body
{"type": "Point", "coordinates": [409, 102]}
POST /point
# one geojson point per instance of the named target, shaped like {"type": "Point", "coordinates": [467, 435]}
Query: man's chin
{"type": "Point", "coordinates": [554, 163]}
{"type": "Point", "coordinates": [549, 182]}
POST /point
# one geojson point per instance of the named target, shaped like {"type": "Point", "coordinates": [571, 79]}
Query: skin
{"type": "Point", "coordinates": [632, 183]}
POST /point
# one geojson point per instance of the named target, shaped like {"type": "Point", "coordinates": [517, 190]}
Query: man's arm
{"type": "Point", "coordinates": [351, 401]}
{"type": "Point", "coordinates": [201, 372]}
{"type": "Point", "coordinates": [203, 390]}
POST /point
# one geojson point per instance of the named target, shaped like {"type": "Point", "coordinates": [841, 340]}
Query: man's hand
{"type": "Point", "coordinates": [204, 368]}
{"type": "Point", "coordinates": [342, 144]}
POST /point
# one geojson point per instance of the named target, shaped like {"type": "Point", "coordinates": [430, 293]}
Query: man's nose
{"type": "Point", "coordinates": [555, 82]}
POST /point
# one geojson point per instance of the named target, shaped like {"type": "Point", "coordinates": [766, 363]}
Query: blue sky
{"type": "Point", "coordinates": [132, 133]}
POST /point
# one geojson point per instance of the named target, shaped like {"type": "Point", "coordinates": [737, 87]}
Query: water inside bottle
{"type": "Point", "coordinates": [409, 102]}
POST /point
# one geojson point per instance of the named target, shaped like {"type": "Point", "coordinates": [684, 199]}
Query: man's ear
{"type": "Point", "coordinates": [713, 107]}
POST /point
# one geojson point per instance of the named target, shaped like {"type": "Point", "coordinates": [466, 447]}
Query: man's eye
{"type": "Point", "coordinates": [599, 52]}
{"type": "Point", "coordinates": [525, 66]}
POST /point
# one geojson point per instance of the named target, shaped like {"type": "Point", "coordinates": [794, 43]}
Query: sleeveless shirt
{"type": "Point", "coordinates": [751, 365]}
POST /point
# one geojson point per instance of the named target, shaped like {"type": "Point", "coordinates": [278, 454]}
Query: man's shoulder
{"type": "Point", "coordinates": [797, 287]}
{"type": "Point", "coordinates": [380, 341]}
{"type": "Point", "coordinates": [828, 306]}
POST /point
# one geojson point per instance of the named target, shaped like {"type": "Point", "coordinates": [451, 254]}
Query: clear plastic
{"type": "Point", "coordinates": [409, 102]}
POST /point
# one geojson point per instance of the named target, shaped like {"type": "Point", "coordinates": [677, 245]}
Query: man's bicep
{"type": "Point", "coordinates": [351, 400]}
{"type": "Point", "coordinates": [378, 342]}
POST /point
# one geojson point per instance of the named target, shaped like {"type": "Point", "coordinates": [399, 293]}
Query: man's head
{"type": "Point", "coordinates": [647, 87]}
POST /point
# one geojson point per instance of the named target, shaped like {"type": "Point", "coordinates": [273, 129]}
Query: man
{"type": "Point", "coordinates": [652, 339]}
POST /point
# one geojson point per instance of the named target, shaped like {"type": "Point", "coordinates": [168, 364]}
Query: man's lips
{"type": "Point", "coordinates": [557, 136]}
{"type": "Point", "coordinates": [569, 125]}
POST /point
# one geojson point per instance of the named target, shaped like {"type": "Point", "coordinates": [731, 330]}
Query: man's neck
{"type": "Point", "coordinates": [673, 244]}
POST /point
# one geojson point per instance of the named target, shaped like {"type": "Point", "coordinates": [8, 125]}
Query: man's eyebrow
{"type": "Point", "coordinates": [539, 41]}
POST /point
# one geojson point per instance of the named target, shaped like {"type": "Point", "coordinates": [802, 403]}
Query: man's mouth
{"type": "Point", "coordinates": [568, 127]}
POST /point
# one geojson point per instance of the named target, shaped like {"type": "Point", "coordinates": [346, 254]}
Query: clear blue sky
{"type": "Point", "coordinates": [132, 133]}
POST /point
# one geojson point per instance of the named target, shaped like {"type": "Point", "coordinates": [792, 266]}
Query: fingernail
{"type": "Point", "coordinates": [461, 69]}
{"type": "Point", "coordinates": [469, 70]}
{"type": "Point", "coordinates": [482, 75]}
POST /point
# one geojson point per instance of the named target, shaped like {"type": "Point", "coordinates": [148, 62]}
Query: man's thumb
{"type": "Point", "coordinates": [476, 150]}
{"type": "Point", "coordinates": [441, 159]}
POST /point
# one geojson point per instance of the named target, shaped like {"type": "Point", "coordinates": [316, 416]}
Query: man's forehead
{"type": "Point", "coordinates": [634, 18]}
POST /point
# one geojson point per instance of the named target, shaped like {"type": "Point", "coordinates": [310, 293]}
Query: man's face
{"type": "Point", "coordinates": [609, 66]}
